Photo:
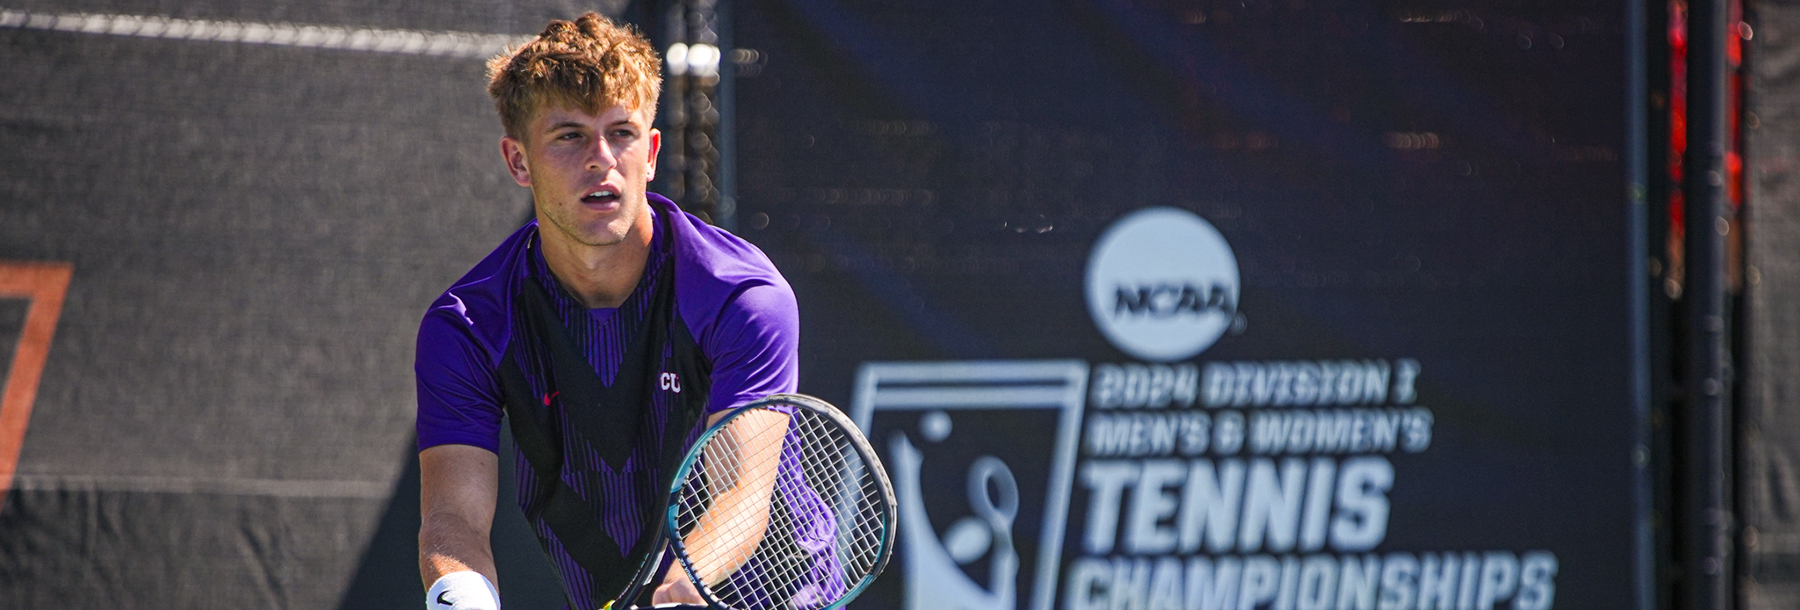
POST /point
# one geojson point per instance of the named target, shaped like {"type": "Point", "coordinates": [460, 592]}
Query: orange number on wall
{"type": "Point", "coordinates": [44, 284]}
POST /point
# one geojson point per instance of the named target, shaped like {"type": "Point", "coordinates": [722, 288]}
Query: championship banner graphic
{"type": "Point", "coordinates": [1168, 483]}
{"type": "Point", "coordinates": [978, 531]}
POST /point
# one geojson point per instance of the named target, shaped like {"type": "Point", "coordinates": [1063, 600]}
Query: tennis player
{"type": "Point", "coordinates": [608, 330]}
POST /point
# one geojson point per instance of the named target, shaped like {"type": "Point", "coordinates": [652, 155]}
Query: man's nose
{"type": "Point", "coordinates": [601, 158]}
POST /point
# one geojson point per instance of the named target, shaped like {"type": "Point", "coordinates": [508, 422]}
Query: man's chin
{"type": "Point", "coordinates": [598, 239]}
{"type": "Point", "coordinates": [595, 236]}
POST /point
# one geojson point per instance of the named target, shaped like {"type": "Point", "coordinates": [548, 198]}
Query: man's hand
{"type": "Point", "coordinates": [676, 589]}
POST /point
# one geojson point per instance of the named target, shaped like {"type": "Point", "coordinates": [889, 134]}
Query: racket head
{"type": "Point", "coordinates": [831, 514]}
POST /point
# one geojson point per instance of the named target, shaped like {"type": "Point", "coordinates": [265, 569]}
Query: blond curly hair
{"type": "Point", "coordinates": [591, 64]}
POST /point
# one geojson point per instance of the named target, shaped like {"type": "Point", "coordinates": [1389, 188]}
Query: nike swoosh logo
{"type": "Point", "coordinates": [549, 396]}
{"type": "Point", "coordinates": [443, 601]}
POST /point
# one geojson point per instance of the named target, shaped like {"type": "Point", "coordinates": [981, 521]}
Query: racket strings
{"type": "Point", "coordinates": [826, 517]}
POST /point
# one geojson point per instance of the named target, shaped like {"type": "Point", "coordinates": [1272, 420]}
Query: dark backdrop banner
{"type": "Point", "coordinates": [251, 204]}
{"type": "Point", "coordinates": [1198, 305]}
{"type": "Point", "coordinates": [1769, 461]}
{"type": "Point", "coordinates": [1148, 305]}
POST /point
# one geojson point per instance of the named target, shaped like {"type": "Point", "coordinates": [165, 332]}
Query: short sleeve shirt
{"type": "Point", "coordinates": [740, 311]}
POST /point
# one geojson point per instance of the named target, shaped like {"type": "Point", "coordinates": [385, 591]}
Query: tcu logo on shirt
{"type": "Point", "coordinates": [670, 382]}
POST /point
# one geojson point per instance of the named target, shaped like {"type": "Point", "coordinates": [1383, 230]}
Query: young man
{"type": "Point", "coordinates": [608, 330]}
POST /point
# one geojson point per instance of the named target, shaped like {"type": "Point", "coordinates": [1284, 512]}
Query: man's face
{"type": "Point", "coordinates": [587, 172]}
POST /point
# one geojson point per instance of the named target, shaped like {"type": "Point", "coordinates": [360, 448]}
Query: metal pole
{"type": "Point", "coordinates": [1638, 189]}
{"type": "Point", "coordinates": [690, 117]}
{"type": "Point", "coordinates": [1706, 531]}
{"type": "Point", "coordinates": [726, 143]}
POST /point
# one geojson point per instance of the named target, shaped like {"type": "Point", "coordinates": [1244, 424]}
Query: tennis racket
{"type": "Point", "coordinates": [782, 504]}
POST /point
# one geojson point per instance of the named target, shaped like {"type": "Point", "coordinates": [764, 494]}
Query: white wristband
{"type": "Point", "coordinates": [466, 590]}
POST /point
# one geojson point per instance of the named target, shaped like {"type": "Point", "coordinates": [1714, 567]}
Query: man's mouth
{"type": "Point", "coordinates": [600, 197]}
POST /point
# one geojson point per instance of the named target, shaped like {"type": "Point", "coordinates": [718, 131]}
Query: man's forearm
{"type": "Point", "coordinates": [457, 485]}
{"type": "Point", "coordinates": [726, 535]}
{"type": "Point", "coordinates": [448, 544]}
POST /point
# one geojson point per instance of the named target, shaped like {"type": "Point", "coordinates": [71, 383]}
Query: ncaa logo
{"type": "Point", "coordinates": [1162, 284]}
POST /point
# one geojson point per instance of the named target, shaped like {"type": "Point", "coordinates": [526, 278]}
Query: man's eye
{"type": "Point", "coordinates": [624, 134]}
{"type": "Point", "coordinates": [573, 135]}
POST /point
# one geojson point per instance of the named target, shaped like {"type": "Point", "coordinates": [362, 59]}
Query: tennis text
{"type": "Point", "coordinates": [1265, 485]}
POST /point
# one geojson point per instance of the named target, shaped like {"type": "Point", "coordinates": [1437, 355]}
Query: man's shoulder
{"type": "Point", "coordinates": [708, 255]}
{"type": "Point", "coordinates": [714, 268]}
{"type": "Point", "coordinates": [478, 303]}
{"type": "Point", "coordinates": [740, 309]}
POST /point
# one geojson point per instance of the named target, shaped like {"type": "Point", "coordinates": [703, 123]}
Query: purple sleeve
{"type": "Point", "coordinates": [459, 397]}
{"type": "Point", "coordinates": [754, 345]}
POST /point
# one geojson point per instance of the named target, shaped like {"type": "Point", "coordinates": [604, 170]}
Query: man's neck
{"type": "Point", "coordinates": [597, 276]}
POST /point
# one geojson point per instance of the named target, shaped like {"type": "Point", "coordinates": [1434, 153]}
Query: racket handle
{"type": "Point", "coordinates": [647, 588]}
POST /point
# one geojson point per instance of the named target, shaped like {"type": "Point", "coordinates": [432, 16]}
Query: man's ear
{"type": "Point", "coordinates": [655, 147]}
{"type": "Point", "coordinates": [514, 153]}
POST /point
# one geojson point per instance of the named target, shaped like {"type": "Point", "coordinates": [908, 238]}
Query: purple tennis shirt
{"type": "Point", "coordinates": [730, 299]}
{"type": "Point", "coordinates": [736, 305]}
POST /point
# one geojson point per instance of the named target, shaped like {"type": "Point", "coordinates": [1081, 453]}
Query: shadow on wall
{"type": "Point", "coordinates": [388, 575]}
